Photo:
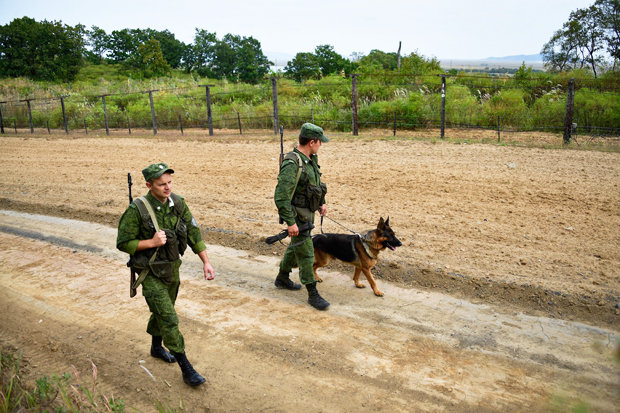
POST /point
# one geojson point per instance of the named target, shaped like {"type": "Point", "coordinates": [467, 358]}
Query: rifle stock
{"type": "Point", "coordinates": [283, 234]}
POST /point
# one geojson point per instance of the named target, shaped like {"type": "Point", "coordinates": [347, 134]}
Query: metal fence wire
{"type": "Point", "coordinates": [392, 101]}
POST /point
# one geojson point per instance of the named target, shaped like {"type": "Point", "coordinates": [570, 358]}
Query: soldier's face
{"type": "Point", "coordinates": [161, 187]}
{"type": "Point", "coordinates": [315, 146]}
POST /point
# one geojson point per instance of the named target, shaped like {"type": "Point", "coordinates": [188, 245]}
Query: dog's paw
{"type": "Point", "coordinates": [318, 279]}
{"type": "Point", "coordinates": [379, 293]}
{"type": "Point", "coordinates": [360, 285]}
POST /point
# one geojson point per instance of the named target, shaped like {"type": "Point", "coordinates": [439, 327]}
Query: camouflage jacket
{"type": "Point", "coordinates": [286, 184]}
{"type": "Point", "coordinates": [131, 229]}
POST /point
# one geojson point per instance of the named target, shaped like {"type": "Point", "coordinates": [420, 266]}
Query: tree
{"type": "Point", "coordinates": [588, 38]}
{"type": "Point", "coordinates": [252, 64]}
{"type": "Point", "coordinates": [41, 50]}
{"type": "Point", "coordinates": [149, 59]}
{"type": "Point", "coordinates": [303, 66]}
{"type": "Point", "coordinates": [380, 60]}
{"type": "Point", "coordinates": [329, 61]}
{"type": "Point", "coordinates": [98, 41]}
{"type": "Point", "coordinates": [610, 18]}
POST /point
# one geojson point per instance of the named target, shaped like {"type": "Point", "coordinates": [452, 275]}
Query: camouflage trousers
{"type": "Point", "coordinates": [300, 252]}
{"type": "Point", "coordinates": [164, 322]}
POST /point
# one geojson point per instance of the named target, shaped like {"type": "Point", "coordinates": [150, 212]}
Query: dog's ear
{"type": "Point", "coordinates": [387, 222]}
{"type": "Point", "coordinates": [381, 223]}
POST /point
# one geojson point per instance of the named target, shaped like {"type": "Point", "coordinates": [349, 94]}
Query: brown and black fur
{"type": "Point", "coordinates": [350, 249]}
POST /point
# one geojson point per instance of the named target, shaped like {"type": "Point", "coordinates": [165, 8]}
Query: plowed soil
{"type": "Point", "coordinates": [504, 296]}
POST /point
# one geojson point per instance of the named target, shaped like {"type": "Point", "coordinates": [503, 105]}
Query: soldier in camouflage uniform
{"type": "Point", "coordinates": [298, 195]}
{"type": "Point", "coordinates": [155, 255]}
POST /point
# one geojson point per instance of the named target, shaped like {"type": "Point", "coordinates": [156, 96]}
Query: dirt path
{"type": "Point", "coordinates": [266, 349]}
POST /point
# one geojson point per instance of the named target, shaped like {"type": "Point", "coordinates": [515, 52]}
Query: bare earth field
{"type": "Point", "coordinates": [504, 296]}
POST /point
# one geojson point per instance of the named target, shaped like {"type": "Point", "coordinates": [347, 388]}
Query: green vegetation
{"type": "Point", "coordinates": [57, 393]}
{"type": "Point", "coordinates": [44, 61]}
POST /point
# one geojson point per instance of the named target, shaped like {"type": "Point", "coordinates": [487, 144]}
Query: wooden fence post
{"type": "Point", "coordinates": [209, 113]}
{"type": "Point", "coordinates": [85, 127]}
{"type": "Point", "coordinates": [498, 127]}
{"type": "Point", "coordinates": [29, 114]}
{"type": "Point", "coordinates": [1, 120]}
{"type": "Point", "coordinates": [47, 123]}
{"type": "Point", "coordinates": [274, 91]}
{"type": "Point", "coordinates": [128, 124]}
{"type": "Point", "coordinates": [239, 122]}
{"type": "Point", "coordinates": [394, 123]}
{"type": "Point", "coordinates": [568, 117]}
{"type": "Point", "coordinates": [105, 115]}
{"type": "Point", "coordinates": [64, 114]}
{"type": "Point", "coordinates": [181, 123]}
{"type": "Point", "coordinates": [15, 125]}
{"type": "Point", "coordinates": [354, 103]}
{"type": "Point", "coordinates": [153, 111]}
{"type": "Point", "coordinates": [443, 106]}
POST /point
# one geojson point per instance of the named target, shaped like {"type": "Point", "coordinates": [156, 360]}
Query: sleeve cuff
{"type": "Point", "coordinates": [199, 247]}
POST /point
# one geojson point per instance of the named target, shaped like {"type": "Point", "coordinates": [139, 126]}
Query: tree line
{"type": "Point", "coordinates": [589, 39]}
{"type": "Point", "coordinates": [53, 51]}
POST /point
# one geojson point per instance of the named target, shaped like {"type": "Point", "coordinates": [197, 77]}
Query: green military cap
{"type": "Point", "coordinates": [155, 171]}
{"type": "Point", "coordinates": [311, 131]}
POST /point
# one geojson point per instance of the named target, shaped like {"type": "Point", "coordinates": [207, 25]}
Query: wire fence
{"type": "Point", "coordinates": [361, 101]}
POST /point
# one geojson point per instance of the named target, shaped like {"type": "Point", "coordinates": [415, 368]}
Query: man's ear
{"type": "Point", "coordinates": [148, 185]}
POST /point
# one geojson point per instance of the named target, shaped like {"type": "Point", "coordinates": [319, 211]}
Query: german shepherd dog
{"type": "Point", "coordinates": [359, 250]}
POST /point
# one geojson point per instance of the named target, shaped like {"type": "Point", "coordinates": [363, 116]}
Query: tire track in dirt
{"type": "Point", "coordinates": [267, 349]}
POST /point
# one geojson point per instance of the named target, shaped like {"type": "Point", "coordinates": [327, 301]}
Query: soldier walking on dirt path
{"type": "Point", "coordinates": [155, 231]}
{"type": "Point", "coordinates": [298, 195]}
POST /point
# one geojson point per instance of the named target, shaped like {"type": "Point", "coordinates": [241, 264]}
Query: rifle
{"type": "Point", "coordinates": [279, 237]}
{"type": "Point", "coordinates": [280, 220]}
{"type": "Point", "coordinates": [132, 278]}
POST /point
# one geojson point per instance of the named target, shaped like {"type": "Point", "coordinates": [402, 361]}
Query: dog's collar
{"type": "Point", "coordinates": [365, 245]}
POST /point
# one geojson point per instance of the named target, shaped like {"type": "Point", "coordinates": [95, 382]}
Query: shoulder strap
{"type": "Point", "coordinates": [300, 166]}
{"type": "Point", "coordinates": [143, 205]}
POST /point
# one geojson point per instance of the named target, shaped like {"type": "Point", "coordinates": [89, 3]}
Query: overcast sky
{"type": "Point", "coordinates": [465, 29]}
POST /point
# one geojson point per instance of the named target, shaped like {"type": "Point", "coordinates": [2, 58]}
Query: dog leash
{"type": "Point", "coordinates": [338, 223]}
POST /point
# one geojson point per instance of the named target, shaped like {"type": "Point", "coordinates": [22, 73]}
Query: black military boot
{"type": "Point", "coordinates": [190, 376]}
{"type": "Point", "coordinates": [283, 281]}
{"type": "Point", "coordinates": [159, 352]}
{"type": "Point", "coordinates": [314, 299]}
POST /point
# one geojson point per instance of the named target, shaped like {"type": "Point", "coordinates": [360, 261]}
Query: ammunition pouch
{"type": "Point", "coordinates": [312, 197]}
{"type": "Point", "coordinates": [303, 214]}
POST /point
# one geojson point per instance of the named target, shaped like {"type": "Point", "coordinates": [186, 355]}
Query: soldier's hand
{"type": "Point", "coordinates": [293, 230]}
{"type": "Point", "coordinates": [159, 238]}
{"type": "Point", "coordinates": [209, 272]}
{"type": "Point", "coordinates": [323, 209]}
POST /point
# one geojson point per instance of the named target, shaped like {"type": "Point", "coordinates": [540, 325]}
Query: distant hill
{"type": "Point", "coordinates": [518, 58]}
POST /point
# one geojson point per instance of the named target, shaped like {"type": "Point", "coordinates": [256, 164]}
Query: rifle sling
{"type": "Point", "coordinates": [144, 203]}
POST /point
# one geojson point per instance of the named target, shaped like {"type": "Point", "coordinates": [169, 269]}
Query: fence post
{"type": "Point", "coordinates": [568, 118]}
{"type": "Point", "coordinates": [128, 124]}
{"type": "Point", "coordinates": [498, 128]}
{"type": "Point", "coordinates": [209, 113]}
{"type": "Point", "coordinates": [15, 125]}
{"type": "Point", "coordinates": [85, 127]}
{"type": "Point", "coordinates": [47, 122]}
{"type": "Point", "coordinates": [181, 123]}
{"type": "Point", "coordinates": [274, 91]}
{"type": "Point", "coordinates": [1, 120]}
{"type": "Point", "coordinates": [153, 111]}
{"type": "Point", "coordinates": [64, 114]}
{"type": "Point", "coordinates": [29, 114]}
{"type": "Point", "coordinates": [443, 106]}
{"type": "Point", "coordinates": [105, 115]}
{"type": "Point", "coordinates": [239, 122]}
{"type": "Point", "coordinates": [354, 102]}
{"type": "Point", "coordinates": [394, 123]}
